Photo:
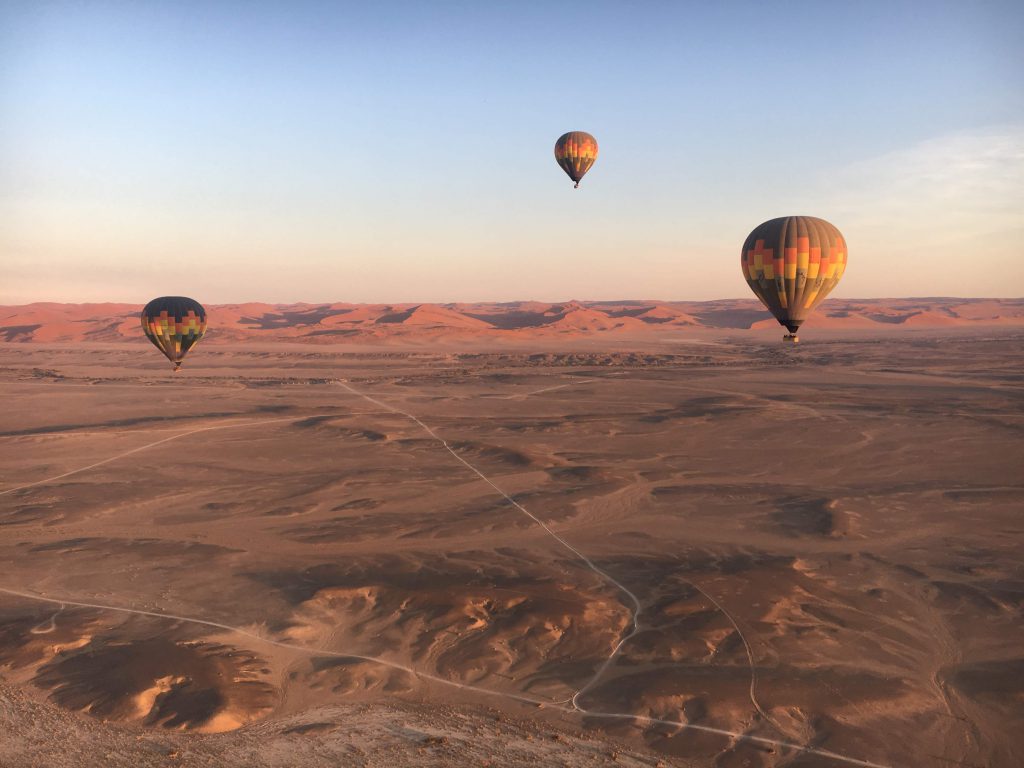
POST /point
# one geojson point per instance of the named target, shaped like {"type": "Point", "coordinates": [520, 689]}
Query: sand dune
{"type": "Point", "coordinates": [334, 323]}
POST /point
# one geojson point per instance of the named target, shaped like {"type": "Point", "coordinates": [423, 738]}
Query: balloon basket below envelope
{"type": "Point", "coordinates": [790, 338]}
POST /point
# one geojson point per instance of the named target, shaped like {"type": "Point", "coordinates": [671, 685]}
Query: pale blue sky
{"type": "Point", "coordinates": [403, 151]}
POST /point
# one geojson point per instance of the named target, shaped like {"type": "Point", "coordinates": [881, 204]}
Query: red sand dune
{"type": "Point", "coordinates": [52, 322]}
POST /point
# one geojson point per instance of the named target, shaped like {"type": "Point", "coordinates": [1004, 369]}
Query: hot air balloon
{"type": "Point", "coordinates": [791, 264]}
{"type": "Point", "coordinates": [576, 152]}
{"type": "Point", "coordinates": [174, 324]}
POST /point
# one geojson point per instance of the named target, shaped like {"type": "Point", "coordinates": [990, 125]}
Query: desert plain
{"type": "Point", "coordinates": [677, 543]}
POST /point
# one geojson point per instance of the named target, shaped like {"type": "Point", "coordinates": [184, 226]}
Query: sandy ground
{"type": "Point", "coordinates": [725, 553]}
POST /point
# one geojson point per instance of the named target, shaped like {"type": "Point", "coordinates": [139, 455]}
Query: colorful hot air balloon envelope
{"type": "Point", "coordinates": [174, 324]}
{"type": "Point", "coordinates": [791, 264]}
{"type": "Point", "coordinates": [576, 152]}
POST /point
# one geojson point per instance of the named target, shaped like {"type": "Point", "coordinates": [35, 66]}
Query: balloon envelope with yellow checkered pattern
{"type": "Point", "coordinates": [575, 153]}
{"type": "Point", "coordinates": [174, 324]}
{"type": "Point", "coordinates": [791, 264]}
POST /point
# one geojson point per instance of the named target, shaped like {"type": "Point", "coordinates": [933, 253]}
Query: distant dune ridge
{"type": "Point", "coordinates": [337, 322]}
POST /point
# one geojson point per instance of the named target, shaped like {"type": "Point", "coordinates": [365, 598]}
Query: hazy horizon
{"type": "Point", "coordinates": [553, 301]}
{"type": "Point", "coordinates": [403, 153]}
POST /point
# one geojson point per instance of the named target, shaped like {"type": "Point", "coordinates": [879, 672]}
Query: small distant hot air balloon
{"type": "Point", "coordinates": [791, 264]}
{"type": "Point", "coordinates": [576, 152]}
{"type": "Point", "coordinates": [174, 324]}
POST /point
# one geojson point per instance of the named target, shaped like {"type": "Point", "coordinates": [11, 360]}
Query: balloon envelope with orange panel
{"type": "Point", "coordinates": [576, 152]}
{"type": "Point", "coordinates": [174, 324]}
{"type": "Point", "coordinates": [791, 264]}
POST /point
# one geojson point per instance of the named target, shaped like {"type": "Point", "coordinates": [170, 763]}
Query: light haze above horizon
{"type": "Point", "coordinates": [402, 152]}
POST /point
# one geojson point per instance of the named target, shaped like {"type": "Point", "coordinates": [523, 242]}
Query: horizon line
{"type": "Point", "coordinates": [413, 303]}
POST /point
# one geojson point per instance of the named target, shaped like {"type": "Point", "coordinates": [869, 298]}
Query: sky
{"type": "Point", "coordinates": [402, 151]}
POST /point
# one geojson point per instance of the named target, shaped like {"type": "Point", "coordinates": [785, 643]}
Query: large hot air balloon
{"type": "Point", "coordinates": [174, 324]}
{"type": "Point", "coordinates": [791, 264]}
{"type": "Point", "coordinates": [576, 152]}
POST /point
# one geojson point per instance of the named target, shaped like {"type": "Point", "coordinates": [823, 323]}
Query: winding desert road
{"type": "Point", "coordinates": [574, 703]}
{"type": "Point", "coordinates": [634, 613]}
{"type": "Point", "coordinates": [64, 601]}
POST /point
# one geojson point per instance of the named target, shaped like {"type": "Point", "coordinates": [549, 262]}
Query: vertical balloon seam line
{"type": "Point", "coordinates": [802, 231]}
{"type": "Point", "coordinates": [841, 245]}
{"type": "Point", "coordinates": [768, 294]}
{"type": "Point", "coordinates": [821, 289]}
{"type": "Point", "coordinates": [779, 274]}
{"type": "Point", "coordinates": [818, 241]}
{"type": "Point", "coordinates": [766, 297]}
{"type": "Point", "coordinates": [827, 236]}
{"type": "Point", "coordinates": [832, 234]}
{"type": "Point", "coordinates": [751, 271]}
{"type": "Point", "coordinates": [780, 278]}
{"type": "Point", "coordinates": [782, 244]}
{"type": "Point", "coordinates": [805, 224]}
{"type": "Point", "coordinates": [743, 260]}
{"type": "Point", "coordinates": [811, 292]}
{"type": "Point", "coordinates": [747, 264]}
{"type": "Point", "coordinates": [846, 260]}
{"type": "Point", "coordinates": [747, 261]}
{"type": "Point", "coordinates": [752, 279]}
{"type": "Point", "coordinates": [801, 280]}
{"type": "Point", "coordinates": [805, 230]}
{"type": "Point", "coordinates": [828, 284]}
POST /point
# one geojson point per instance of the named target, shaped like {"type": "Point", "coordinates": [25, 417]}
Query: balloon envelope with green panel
{"type": "Point", "coordinates": [174, 324]}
